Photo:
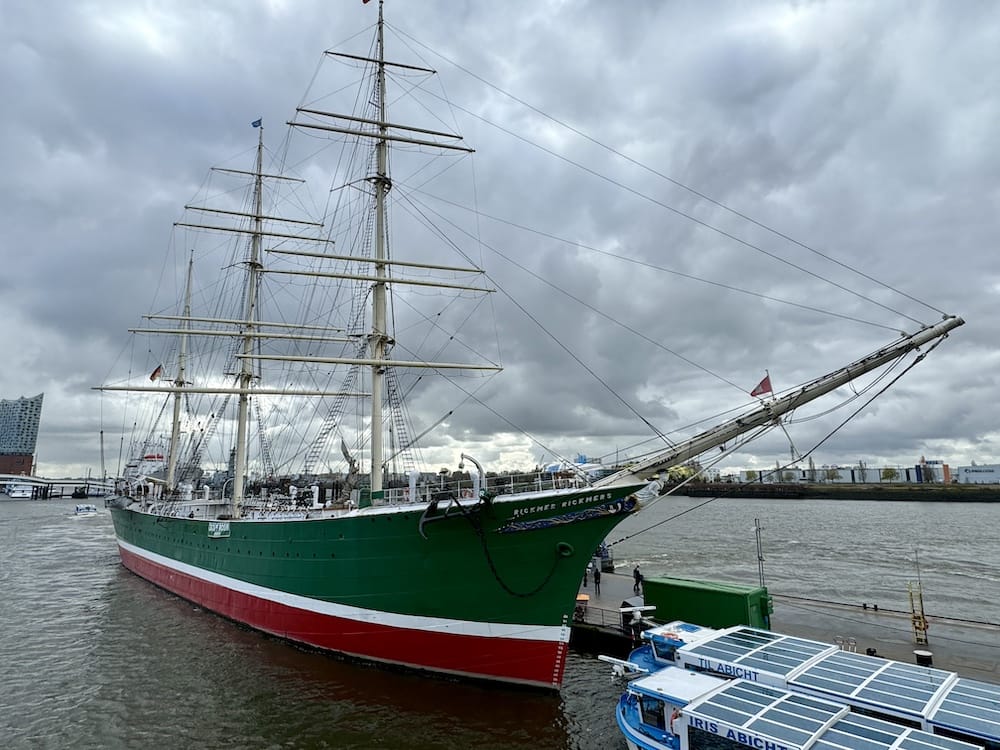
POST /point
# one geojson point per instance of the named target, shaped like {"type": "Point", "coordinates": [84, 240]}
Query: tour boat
{"type": "Point", "coordinates": [940, 703]}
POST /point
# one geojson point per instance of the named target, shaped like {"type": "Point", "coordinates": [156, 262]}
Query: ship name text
{"type": "Point", "coordinates": [730, 670]}
{"type": "Point", "coordinates": [742, 737]}
{"type": "Point", "coordinates": [560, 505]}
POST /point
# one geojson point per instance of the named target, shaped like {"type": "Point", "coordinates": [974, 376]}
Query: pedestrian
{"type": "Point", "coordinates": [597, 581]}
{"type": "Point", "coordinates": [638, 579]}
{"type": "Point", "coordinates": [586, 572]}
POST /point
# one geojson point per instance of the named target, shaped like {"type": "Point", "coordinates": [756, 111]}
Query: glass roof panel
{"type": "Point", "coordinates": [766, 665]}
{"type": "Point", "coordinates": [890, 700]}
{"type": "Point", "coordinates": [797, 720]}
{"type": "Point", "coordinates": [783, 732]}
{"type": "Point", "coordinates": [837, 735]}
{"type": "Point", "coordinates": [823, 744]}
{"type": "Point", "coordinates": [728, 715]}
{"type": "Point", "coordinates": [972, 705]}
{"type": "Point", "coordinates": [870, 727]}
{"type": "Point", "coordinates": [819, 683]}
{"type": "Point", "coordinates": [926, 741]}
{"type": "Point", "coordinates": [761, 695]}
{"type": "Point", "coordinates": [738, 703]}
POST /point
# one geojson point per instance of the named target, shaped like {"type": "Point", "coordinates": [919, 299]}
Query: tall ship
{"type": "Point", "coordinates": [277, 480]}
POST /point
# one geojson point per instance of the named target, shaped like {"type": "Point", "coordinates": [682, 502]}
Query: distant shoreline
{"type": "Point", "coordinates": [951, 493]}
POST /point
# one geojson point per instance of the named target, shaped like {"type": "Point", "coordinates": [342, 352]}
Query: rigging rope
{"type": "Point", "coordinates": [675, 182]}
{"type": "Point", "coordinates": [829, 435]}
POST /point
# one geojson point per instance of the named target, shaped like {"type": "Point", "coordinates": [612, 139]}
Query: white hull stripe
{"type": "Point", "coordinates": [389, 619]}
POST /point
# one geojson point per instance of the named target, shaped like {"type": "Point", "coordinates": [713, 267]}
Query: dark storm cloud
{"type": "Point", "coordinates": [865, 131]}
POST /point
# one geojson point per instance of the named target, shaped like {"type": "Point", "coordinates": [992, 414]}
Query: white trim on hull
{"type": "Point", "coordinates": [388, 619]}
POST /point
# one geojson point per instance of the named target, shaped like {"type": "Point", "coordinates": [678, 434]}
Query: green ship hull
{"type": "Point", "coordinates": [478, 589]}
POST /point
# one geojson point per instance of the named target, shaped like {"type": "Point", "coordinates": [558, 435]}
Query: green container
{"type": "Point", "coordinates": [713, 604]}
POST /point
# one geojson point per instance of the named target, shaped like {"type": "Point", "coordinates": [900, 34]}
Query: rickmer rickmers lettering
{"type": "Point", "coordinates": [562, 504]}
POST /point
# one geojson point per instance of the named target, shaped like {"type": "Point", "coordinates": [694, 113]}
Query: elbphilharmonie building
{"type": "Point", "coordinates": [19, 419]}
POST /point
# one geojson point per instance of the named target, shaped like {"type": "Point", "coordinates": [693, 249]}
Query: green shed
{"type": "Point", "coordinates": [714, 604]}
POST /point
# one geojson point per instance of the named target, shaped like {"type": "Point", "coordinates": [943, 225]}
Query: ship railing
{"type": "Point", "coordinates": [606, 619]}
{"type": "Point", "coordinates": [464, 489]}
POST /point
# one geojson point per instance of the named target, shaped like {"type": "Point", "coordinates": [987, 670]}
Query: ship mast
{"type": "Point", "coordinates": [175, 425]}
{"type": "Point", "coordinates": [249, 331]}
{"type": "Point", "coordinates": [378, 340]}
{"type": "Point", "coordinates": [772, 411]}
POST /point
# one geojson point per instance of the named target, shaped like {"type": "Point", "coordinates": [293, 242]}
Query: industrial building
{"type": "Point", "coordinates": [926, 471]}
{"type": "Point", "coordinates": [978, 474]}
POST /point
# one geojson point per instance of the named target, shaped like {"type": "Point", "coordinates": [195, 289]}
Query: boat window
{"type": "Point", "coordinates": [663, 650]}
{"type": "Point", "coordinates": [652, 712]}
{"type": "Point", "coordinates": [987, 744]}
{"type": "Point", "coordinates": [913, 724]}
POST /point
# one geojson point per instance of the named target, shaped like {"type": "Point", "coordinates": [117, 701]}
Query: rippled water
{"type": "Point", "coordinates": [839, 550]}
{"type": "Point", "coordinates": [93, 657]}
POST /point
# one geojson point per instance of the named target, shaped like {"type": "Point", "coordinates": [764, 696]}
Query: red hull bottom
{"type": "Point", "coordinates": [525, 662]}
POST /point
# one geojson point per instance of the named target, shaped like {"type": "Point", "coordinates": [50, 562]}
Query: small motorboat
{"type": "Point", "coordinates": [84, 510]}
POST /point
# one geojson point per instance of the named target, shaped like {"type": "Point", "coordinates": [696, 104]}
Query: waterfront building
{"type": "Point", "coordinates": [19, 420]}
{"type": "Point", "coordinates": [978, 474]}
{"type": "Point", "coordinates": [926, 471]}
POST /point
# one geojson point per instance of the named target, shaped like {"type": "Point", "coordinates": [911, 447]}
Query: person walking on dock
{"type": "Point", "coordinates": [597, 580]}
{"type": "Point", "coordinates": [638, 579]}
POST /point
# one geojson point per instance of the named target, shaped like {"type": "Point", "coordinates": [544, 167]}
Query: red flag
{"type": "Point", "coordinates": [763, 387]}
{"type": "Point", "coordinates": [156, 373]}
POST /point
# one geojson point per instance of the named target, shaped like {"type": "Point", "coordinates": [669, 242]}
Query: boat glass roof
{"type": "Point", "coordinates": [857, 732]}
{"type": "Point", "coordinates": [971, 706]}
{"type": "Point", "coordinates": [760, 650]}
{"type": "Point", "coordinates": [901, 687]}
{"type": "Point", "coordinates": [802, 721]}
{"type": "Point", "coordinates": [793, 719]}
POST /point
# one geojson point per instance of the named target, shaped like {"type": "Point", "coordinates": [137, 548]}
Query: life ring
{"type": "Point", "coordinates": [670, 636]}
{"type": "Point", "coordinates": [675, 715]}
{"type": "Point", "coordinates": [467, 493]}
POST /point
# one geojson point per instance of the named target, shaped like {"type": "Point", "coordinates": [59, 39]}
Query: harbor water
{"type": "Point", "coordinates": [94, 657]}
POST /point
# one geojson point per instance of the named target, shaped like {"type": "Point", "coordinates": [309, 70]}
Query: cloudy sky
{"type": "Point", "coordinates": [687, 194]}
